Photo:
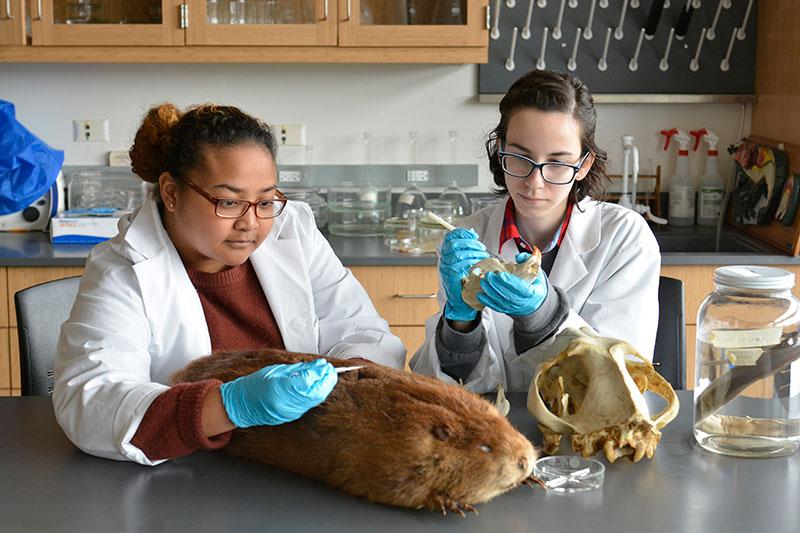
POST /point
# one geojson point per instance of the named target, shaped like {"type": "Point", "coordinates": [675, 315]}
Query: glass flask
{"type": "Point", "coordinates": [411, 202]}
{"type": "Point", "coordinates": [358, 210]}
{"type": "Point", "coordinates": [318, 205]}
{"type": "Point", "coordinates": [747, 367]}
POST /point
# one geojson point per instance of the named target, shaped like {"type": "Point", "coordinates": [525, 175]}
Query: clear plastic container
{"type": "Point", "coordinates": [569, 473]}
{"type": "Point", "coordinates": [747, 367]}
{"type": "Point", "coordinates": [89, 190]}
{"type": "Point", "coordinates": [358, 210]}
{"type": "Point", "coordinates": [319, 207]}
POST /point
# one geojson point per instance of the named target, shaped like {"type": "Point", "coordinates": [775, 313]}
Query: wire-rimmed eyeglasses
{"type": "Point", "coordinates": [236, 208]}
{"type": "Point", "coordinates": [557, 173]}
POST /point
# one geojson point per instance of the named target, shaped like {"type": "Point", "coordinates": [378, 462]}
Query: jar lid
{"type": "Point", "coordinates": [754, 277]}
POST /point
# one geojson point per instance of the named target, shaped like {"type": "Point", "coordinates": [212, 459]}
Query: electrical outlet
{"type": "Point", "coordinates": [290, 134]}
{"type": "Point", "coordinates": [91, 130]}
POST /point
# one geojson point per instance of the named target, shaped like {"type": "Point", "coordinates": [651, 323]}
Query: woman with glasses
{"type": "Point", "coordinates": [216, 260]}
{"type": "Point", "coordinates": [600, 261]}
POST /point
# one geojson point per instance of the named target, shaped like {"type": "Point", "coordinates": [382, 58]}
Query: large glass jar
{"type": "Point", "coordinates": [747, 367]}
{"type": "Point", "coordinates": [358, 210]}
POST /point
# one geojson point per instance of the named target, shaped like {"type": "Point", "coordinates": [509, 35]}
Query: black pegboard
{"type": "Point", "coordinates": [494, 78]}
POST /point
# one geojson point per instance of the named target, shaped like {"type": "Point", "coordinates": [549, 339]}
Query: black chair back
{"type": "Point", "coordinates": [41, 310]}
{"type": "Point", "coordinates": [670, 349]}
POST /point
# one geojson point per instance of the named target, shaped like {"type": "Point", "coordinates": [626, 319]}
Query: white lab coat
{"type": "Point", "coordinates": [138, 319]}
{"type": "Point", "coordinates": [608, 266]}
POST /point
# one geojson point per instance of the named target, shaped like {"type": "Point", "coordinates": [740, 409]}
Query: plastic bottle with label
{"type": "Point", "coordinates": [712, 186]}
{"type": "Point", "coordinates": [681, 184]}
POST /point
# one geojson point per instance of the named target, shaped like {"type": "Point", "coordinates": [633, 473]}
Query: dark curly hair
{"type": "Point", "coordinates": [171, 141]}
{"type": "Point", "coordinates": [546, 90]}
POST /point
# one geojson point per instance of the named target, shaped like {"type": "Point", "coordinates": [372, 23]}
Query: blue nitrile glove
{"type": "Point", "coordinates": [511, 295]}
{"type": "Point", "coordinates": [459, 251]}
{"type": "Point", "coordinates": [277, 394]}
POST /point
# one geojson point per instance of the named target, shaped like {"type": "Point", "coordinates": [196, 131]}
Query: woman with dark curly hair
{"type": "Point", "coordinates": [600, 261]}
{"type": "Point", "coordinates": [217, 260]}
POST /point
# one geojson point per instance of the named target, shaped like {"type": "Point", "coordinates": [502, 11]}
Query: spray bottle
{"type": "Point", "coordinates": [681, 185]}
{"type": "Point", "coordinates": [712, 186]}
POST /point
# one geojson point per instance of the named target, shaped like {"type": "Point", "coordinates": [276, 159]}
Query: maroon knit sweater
{"type": "Point", "coordinates": [239, 318]}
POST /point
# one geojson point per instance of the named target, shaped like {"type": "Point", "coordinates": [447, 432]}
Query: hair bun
{"type": "Point", "coordinates": [149, 145]}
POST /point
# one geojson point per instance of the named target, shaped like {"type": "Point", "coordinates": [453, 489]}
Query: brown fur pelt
{"type": "Point", "coordinates": [385, 435]}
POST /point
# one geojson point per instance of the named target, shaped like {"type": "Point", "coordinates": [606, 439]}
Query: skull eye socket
{"type": "Point", "coordinates": [485, 448]}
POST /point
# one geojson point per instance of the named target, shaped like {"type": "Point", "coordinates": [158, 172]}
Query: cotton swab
{"type": "Point", "coordinates": [430, 215]}
{"type": "Point", "coordinates": [343, 369]}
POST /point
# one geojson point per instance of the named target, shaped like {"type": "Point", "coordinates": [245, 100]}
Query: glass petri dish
{"type": "Point", "coordinates": [569, 473]}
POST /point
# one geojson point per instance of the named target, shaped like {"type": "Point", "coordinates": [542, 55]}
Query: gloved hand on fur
{"type": "Point", "coordinates": [459, 251]}
{"type": "Point", "coordinates": [277, 394]}
{"type": "Point", "coordinates": [509, 294]}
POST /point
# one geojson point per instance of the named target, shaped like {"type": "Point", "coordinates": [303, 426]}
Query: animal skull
{"type": "Point", "coordinates": [594, 393]}
{"type": "Point", "coordinates": [471, 284]}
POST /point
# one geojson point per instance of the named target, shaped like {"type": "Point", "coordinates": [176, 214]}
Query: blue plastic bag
{"type": "Point", "coordinates": [28, 166]}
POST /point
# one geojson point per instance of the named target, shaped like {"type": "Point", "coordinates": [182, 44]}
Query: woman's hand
{"type": "Point", "coordinates": [277, 394]}
{"type": "Point", "coordinates": [459, 251]}
{"type": "Point", "coordinates": [511, 295]}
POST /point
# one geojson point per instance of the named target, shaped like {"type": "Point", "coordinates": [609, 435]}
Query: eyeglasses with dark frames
{"type": "Point", "coordinates": [236, 208]}
{"type": "Point", "coordinates": [557, 173]}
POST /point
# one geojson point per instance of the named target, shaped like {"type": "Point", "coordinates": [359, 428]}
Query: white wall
{"type": "Point", "coordinates": [336, 102]}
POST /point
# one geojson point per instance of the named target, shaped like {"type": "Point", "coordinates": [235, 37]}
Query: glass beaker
{"type": "Point", "coordinates": [747, 366]}
{"type": "Point", "coordinates": [77, 11]}
{"type": "Point", "coordinates": [400, 235]}
{"type": "Point", "coordinates": [236, 12]}
{"type": "Point", "coordinates": [430, 234]}
{"type": "Point", "coordinates": [212, 11]}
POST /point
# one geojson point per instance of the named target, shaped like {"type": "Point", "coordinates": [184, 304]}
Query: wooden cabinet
{"type": "Point", "coordinates": [403, 295]}
{"type": "Point", "coordinates": [434, 23]}
{"type": "Point", "coordinates": [12, 22]}
{"type": "Point", "coordinates": [187, 31]}
{"type": "Point", "coordinates": [107, 23]}
{"type": "Point", "coordinates": [303, 22]}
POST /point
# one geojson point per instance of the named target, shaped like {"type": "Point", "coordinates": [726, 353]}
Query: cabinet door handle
{"type": "Point", "coordinates": [349, 11]}
{"type": "Point", "coordinates": [39, 9]}
{"type": "Point", "coordinates": [325, 10]}
{"type": "Point", "coordinates": [8, 10]}
{"type": "Point", "coordinates": [430, 296]}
